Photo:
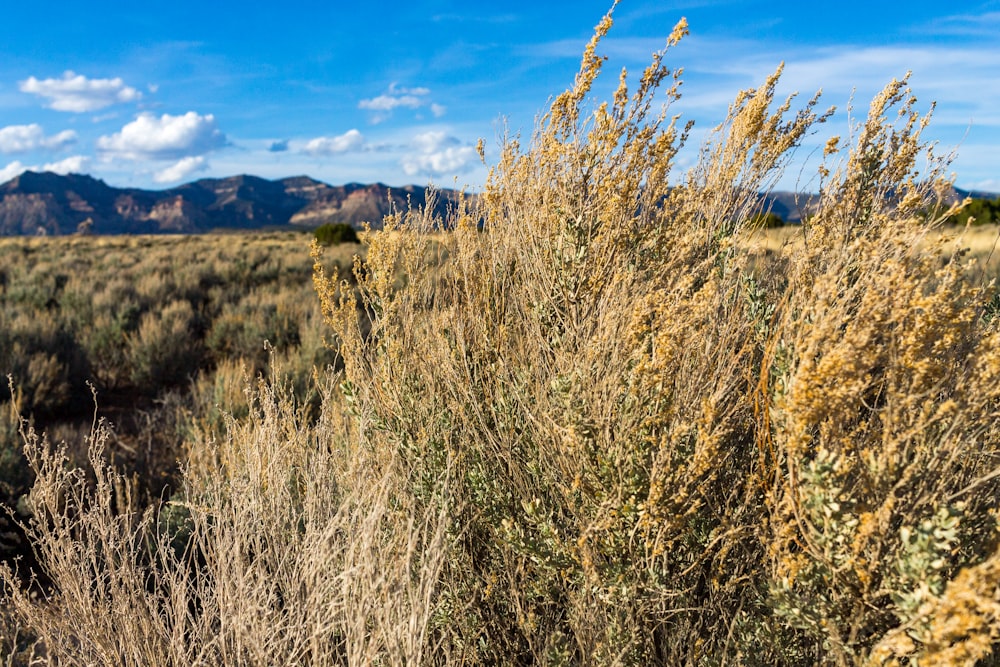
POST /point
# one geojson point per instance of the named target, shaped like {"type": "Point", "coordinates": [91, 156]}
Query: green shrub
{"type": "Point", "coordinates": [164, 351]}
{"type": "Point", "coordinates": [44, 360]}
{"type": "Point", "coordinates": [977, 211]}
{"type": "Point", "coordinates": [769, 220]}
{"type": "Point", "coordinates": [335, 234]}
{"type": "Point", "coordinates": [980, 211]}
{"type": "Point", "coordinates": [15, 477]}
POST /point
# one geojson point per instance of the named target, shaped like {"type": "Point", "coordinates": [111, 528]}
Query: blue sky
{"type": "Point", "coordinates": [155, 94]}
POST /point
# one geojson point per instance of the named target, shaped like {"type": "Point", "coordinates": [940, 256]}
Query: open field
{"type": "Point", "coordinates": [981, 241]}
{"type": "Point", "coordinates": [134, 316]}
{"type": "Point", "coordinates": [157, 335]}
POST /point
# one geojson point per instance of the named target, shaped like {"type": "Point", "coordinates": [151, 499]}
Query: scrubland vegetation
{"type": "Point", "coordinates": [589, 423]}
{"type": "Point", "coordinates": [165, 330]}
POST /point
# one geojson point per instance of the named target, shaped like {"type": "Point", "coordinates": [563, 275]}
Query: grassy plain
{"type": "Point", "coordinates": [981, 241]}
{"type": "Point", "coordinates": [158, 335]}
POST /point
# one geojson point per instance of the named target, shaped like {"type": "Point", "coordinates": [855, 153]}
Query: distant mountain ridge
{"type": "Point", "coordinates": [47, 203]}
{"type": "Point", "coordinates": [793, 206]}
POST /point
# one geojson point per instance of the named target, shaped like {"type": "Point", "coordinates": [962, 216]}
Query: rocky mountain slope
{"type": "Point", "coordinates": [792, 207]}
{"type": "Point", "coordinates": [47, 203]}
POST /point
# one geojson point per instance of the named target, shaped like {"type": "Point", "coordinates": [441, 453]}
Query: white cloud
{"type": "Point", "coordinates": [397, 97]}
{"type": "Point", "coordinates": [181, 169]}
{"type": "Point", "coordinates": [164, 138]}
{"type": "Point", "coordinates": [961, 78]}
{"type": "Point", "coordinates": [23, 138]}
{"type": "Point", "coordinates": [76, 93]}
{"type": "Point", "coordinates": [987, 185]}
{"type": "Point", "coordinates": [12, 170]}
{"type": "Point", "coordinates": [351, 140]}
{"type": "Point", "coordinates": [431, 141]}
{"type": "Point", "coordinates": [451, 160]}
{"type": "Point", "coordinates": [438, 110]}
{"type": "Point", "coordinates": [436, 154]}
{"type": "Point", "coordinates": [395, 89]}
{"type": "Point", "coordinates": [963, 25]}
{"type": "Point", "coordinates": [75, 164]}
{"type": "Point", "coordinates": [390, 102]}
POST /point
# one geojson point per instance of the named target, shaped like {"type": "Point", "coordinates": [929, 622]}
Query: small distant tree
{"type": "Point", "coordinates": [769, 220]}
{"type": "Point", "coordinates": [982, 212]}
{"type": "Point", "coordinates": [335, 234]}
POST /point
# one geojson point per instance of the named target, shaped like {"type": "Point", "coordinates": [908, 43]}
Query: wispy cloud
{"type": "Point", "coordinates": [24, 138]}
{"type": "Point", "coordinates": [945, 72]}
{"type": "Point", "coordinates": [397, 97]}
{"type": "Point", "coordinates": [390, 102]}
{"type": "Point", "coordinates": [475, 17]}
{"type": "Point", "coordinates": [985, 24]}
{"type": "Point", "coordinates": [76, 164]}
{"type": "Point", "coordinates": [76, 93]}
{"type": "Point", "coordinates": [181, 169]}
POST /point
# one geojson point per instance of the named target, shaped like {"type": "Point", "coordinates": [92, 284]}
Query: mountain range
{"type": "Point", "coordinates": [47, 203]}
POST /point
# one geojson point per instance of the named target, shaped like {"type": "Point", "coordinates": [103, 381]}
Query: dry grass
{"type": "Point", "coordinates": [589, 426]}
{"type": "Point", "coordinates": [980, 243]}
{"type": "Point", "coordinates": [139, 315]}
{"type": "Point", "coordinates": [166, 329]}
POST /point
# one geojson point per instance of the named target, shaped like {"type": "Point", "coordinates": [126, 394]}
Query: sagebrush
{"type": "Point", "coordinates": [580, 422]}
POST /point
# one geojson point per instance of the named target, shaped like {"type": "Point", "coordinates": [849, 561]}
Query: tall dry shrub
{"type": "Point", "coordinates": [662, 452]}
{"type": "Point", "coordinates": [282, 549]}
{"type": "Point", "coordinates": [584, 365]}
{"type": "Point", "coordinates": [881, 393]}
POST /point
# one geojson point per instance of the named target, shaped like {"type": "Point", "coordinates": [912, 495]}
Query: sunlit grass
{"type": "Point", "coordinates": [601, 420]}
